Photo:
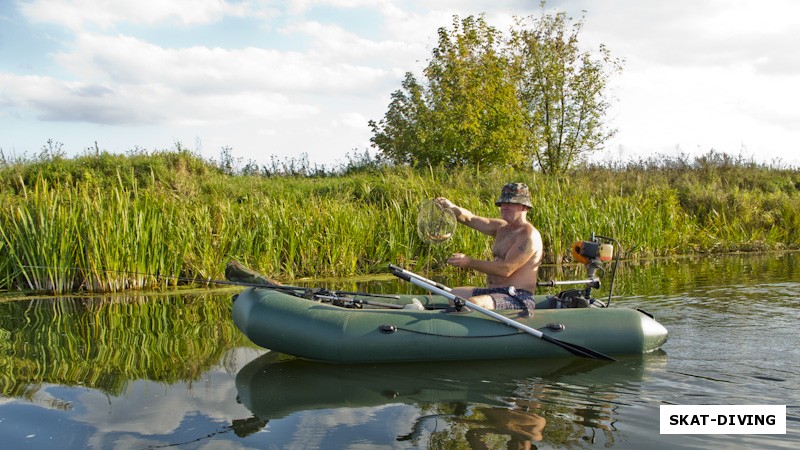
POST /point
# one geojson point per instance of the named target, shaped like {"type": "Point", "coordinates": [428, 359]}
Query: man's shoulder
{"type": "Point", "coordinates": [528, 231]}
{"type": "Point", "coordinates": [528, 228]}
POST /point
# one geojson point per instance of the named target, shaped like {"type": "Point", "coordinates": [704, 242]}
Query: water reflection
{"type": "Point", "coordinates": [479, 404]}
{"type": "Point", "coordinates": [522, 425]}
{"type": "Point", "coordinates": [106, 342]}
{"type": "Point", "coordinates": [678, 275]}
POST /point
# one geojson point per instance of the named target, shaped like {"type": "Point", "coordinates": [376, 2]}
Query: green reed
{"type": "Point", "coordinates": [128, 240]}
{"type": "Point", "coordinates": [146, 229]}
{"type": "Point", "coordinates": [38, 240]}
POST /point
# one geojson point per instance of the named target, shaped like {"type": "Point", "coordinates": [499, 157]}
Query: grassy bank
{"type": "Point", "coordinates": [103, 222]}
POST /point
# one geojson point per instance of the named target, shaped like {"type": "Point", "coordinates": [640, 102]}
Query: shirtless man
{"type": "Point", "coordinates": [517, 252]}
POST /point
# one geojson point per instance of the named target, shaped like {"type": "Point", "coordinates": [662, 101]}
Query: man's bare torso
{"type": "Point", "coordinates": [525, 277]}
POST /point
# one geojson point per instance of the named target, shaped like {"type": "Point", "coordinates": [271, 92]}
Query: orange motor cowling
{"type": "Point", "coordinates": [586, 251]}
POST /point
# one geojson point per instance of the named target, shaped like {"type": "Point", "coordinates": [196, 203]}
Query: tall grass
{"type": "Point", "coordinates": [38, 244]}
{"type": "Point", "coordinates": [70, 225]}
{"type": "Point", "coordinates": [129, 239]}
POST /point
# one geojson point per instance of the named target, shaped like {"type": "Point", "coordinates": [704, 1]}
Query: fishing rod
{"type": "Point", "coordinates": [307, 292]}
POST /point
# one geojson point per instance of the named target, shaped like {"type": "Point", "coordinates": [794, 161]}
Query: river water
{"type": "Point", "coordinates": [171, 371]}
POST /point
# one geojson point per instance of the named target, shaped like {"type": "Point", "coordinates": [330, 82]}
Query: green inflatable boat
{"type": "Point", "coordinates": [355, 327]}
{"type": "Point", "coordinates": [367, 329]}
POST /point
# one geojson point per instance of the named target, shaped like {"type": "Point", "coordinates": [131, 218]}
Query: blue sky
{"type": "Point", "coordinates": [280, 78]}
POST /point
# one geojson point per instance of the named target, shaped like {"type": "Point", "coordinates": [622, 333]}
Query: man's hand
{"type": "Point", "coordinates": [459, 260]}
{"type": "Point", "coordinates": [444, 203]}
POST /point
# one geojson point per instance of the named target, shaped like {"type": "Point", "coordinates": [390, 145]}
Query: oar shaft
{"type": "Point", "coordinates": [471, 305]}
{"type": "Point", "coordinates": [420, 281]}
{"type": "Point", "coordinates": [411, 275]}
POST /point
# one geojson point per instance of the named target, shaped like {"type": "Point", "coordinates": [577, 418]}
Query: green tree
{"type": "Point", "coordinates": [531, 100]}
{"type": "Point", "coordinates": [562, 89]}
{"type": "Point", "coordinates": [466, 114]}
{"type": "Point", "coordinates": [402, 135]}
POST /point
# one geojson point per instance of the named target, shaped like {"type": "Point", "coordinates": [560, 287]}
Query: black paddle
{"type": "Point", "coordinates": [424, 283]}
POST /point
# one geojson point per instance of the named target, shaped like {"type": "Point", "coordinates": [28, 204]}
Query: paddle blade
{"type": "Point", "coordinates": [577, 350]}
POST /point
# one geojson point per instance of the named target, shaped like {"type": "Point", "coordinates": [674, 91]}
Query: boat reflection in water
{"type": "Point", "coordinates": [520, 402]}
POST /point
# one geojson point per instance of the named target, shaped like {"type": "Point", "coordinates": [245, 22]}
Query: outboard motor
{"type": "Point", "coordinates": [593, 253]}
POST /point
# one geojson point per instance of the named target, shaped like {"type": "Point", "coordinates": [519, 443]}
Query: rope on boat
{"type": "Point", "coordinates": [457, 337]}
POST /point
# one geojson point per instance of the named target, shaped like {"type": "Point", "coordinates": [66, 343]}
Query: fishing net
{"type": "Point", "coordinates": [435, 224]}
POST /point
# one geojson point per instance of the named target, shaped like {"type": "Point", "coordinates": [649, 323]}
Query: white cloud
{"type": "Point", "coordinates": [50, 99]}
{"type": "Point", "coordinates": [80, 14]}
{"type": "Point", "coordinates": [128, 60]}
{"type": "Point", "coordinates": [333, 43]}
{"type": "Point", "coordinates": [352, 120]}
{"type": "Point", "coordinates": [127, 80]}
{"type": "Point", "coordinates": [704, 33]}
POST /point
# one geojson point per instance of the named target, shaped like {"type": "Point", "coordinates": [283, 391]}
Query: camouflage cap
{"type": "Point", "coordinates": [515, 193]}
